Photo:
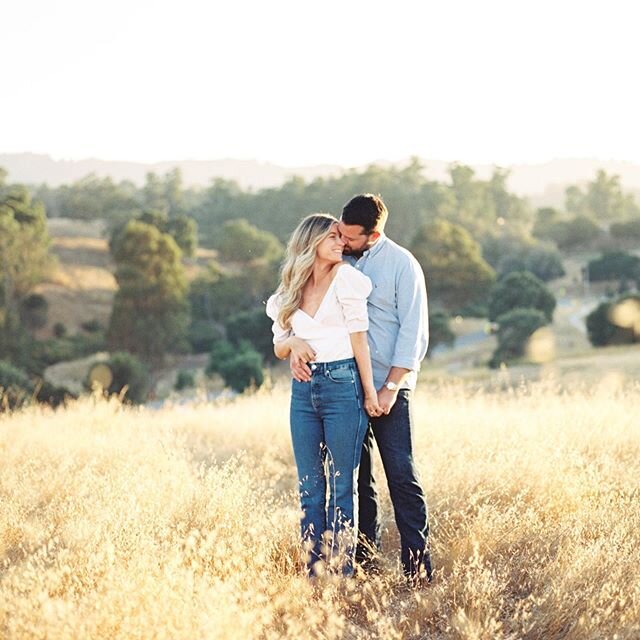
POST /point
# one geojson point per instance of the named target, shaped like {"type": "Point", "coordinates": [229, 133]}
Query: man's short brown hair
{"type": "Point", "coordinates": [366, 210]}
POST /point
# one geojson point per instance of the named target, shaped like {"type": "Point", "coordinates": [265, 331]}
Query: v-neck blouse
{"type": "Point", "coordinates": [343, 310]}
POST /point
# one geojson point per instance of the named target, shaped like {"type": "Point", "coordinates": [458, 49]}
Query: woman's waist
{"type": "Point", "coordinates": [319, 368]}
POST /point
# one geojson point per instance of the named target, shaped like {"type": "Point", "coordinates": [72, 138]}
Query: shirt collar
{"type": "Point", "coordinates": [369, 253]}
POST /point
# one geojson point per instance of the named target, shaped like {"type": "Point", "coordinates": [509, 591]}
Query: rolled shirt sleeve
{"type": "Point", "coordinates": [273, 308]}
{"type": "Point", "coordinates": [413, 315]}
{"type": "Point", "coordinates": [352, 290]}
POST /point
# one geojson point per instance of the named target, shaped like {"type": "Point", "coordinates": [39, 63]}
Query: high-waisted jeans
{"type": "Point", "coordinates": [328, 425]}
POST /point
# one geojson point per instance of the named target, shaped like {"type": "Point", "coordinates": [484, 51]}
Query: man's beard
{"type": "Point", "coordinates": [353, 252]}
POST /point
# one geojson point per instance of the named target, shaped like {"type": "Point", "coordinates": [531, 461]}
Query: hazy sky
{"type": "Point", "coordinates": [344, 82]}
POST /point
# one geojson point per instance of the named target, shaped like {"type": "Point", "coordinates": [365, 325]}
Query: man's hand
{"type": "Point", "coordinates": [300, 354]}
{"type": "Point", "coordinates": [386, 400]}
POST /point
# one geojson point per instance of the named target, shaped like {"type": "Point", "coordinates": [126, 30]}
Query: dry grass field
{"type": "Point", "coordinates": [128, 523]}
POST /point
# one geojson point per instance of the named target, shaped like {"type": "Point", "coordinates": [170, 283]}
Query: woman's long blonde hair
{"type": "Point", "coordinates": [298, 263]}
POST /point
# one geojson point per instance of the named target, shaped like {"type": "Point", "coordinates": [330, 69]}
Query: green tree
{"type": "Point", "coordinates": [93, 198]}
{"type": "Point", "coordinates": [24, 258]}
{"type": "Point", "coordinates": [182, 229]}
{"type": "Point", "coordinates": [544, 223]}
{"type": "Point", "coordinates": [603, 199]}
{"type": "Point", "coordinates": [456, 273]}
{"type": "Point", "coordinates": [626, 232]}
{"type": "Point", "coordinates": [544, 263]}
{"type": "Point", "coordinates": [150, 313]}
{"type": "Point", "coordinates": [577, 233]}
{"type": "Point", "coordinates": [240, 241]}
{"type": "Point", "coordinates": [614, 265]}
{"type": "Point", "coordinates": [520, 289]}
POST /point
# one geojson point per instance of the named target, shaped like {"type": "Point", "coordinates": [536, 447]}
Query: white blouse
{"type": "Point", "coordinates": [343, 310]}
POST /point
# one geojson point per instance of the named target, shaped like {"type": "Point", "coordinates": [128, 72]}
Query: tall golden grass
{"type": "Point", "coordinates": [118, 522]}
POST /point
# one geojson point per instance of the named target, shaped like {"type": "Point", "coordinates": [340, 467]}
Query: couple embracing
{"type": "Point", "coordinates": [350, 313]}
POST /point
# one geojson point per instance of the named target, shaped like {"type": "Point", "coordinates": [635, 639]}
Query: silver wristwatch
{"type": "Point", "coordinates": [392, 386]}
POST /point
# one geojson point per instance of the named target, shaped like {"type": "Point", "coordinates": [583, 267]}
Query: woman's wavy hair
{"type": "Point", "coordinates": [298, 263]}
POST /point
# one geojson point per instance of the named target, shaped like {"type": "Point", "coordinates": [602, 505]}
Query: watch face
{"type": "Point", "coordinates": [392, 386]}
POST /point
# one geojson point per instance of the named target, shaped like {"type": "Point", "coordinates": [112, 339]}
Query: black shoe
{"type": "Point", "coordinates": [423, 575]}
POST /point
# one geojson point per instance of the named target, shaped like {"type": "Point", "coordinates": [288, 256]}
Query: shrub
{"type": "Point", "coordinates": [439, 330]}
{"type": "Point", "coordinates": [221, 352]}
{"type": "Point", "coordinates": [15, 386]}
{"type": "Point", "coordinates": [59, 330]}
{"type": "Point", "coordinates": [514, 330]}
{"type": "Point", "coordinates": [604, 328]}
{"type": "Point", "coordinates": [244, 370]}
{"type": "Point", "coordinates": [92, 326]}
{"type": "Point", "coordinates": [202, 335]}
{"type": "Point", "coordinates": [52, 395]}
{"type": "Point", "coordinates": [128, 371]}
{"type": "Point", "coordinates": [33, 311]}
{"type": "Point", "coordinates": [48, 352]}
{"type": "Point", "coordinates": [184, 380]}
{"type": "Point", "coordinates": [254, 327]}
{"type": "Point", "coordinates": [614, 265]}
{"type": "Point", "coordinates": [239, 365]}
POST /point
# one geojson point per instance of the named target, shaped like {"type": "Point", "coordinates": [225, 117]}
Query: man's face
{"type": "Point", "coordinates": [356, 241]}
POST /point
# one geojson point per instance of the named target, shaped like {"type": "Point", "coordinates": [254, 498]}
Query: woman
{"type": "Point", "coordinates": [320, 315]}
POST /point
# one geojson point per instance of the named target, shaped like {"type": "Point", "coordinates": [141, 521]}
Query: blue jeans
{"type": "Point", "coordinates": [392, 433]}
{"type": "Point", "coordinates": [328, 424]}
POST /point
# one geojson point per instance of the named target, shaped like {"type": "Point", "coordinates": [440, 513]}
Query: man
{"type": "Point", "coordinates": [398, 340]}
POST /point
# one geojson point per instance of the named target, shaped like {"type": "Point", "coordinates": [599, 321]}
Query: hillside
{"type": "Point", "coordinates": [82, 286]}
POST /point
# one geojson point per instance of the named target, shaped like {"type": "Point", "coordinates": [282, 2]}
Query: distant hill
{"type": "Point", "coordinates": [31, 168]}
{"type": "Point", "coordinates": [544, 183]}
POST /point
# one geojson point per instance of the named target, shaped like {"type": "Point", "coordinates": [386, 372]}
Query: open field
{"type": "Point", "coordinates": [182, 523]}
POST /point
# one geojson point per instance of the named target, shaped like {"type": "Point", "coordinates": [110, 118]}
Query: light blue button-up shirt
{"type": "Point", "coordinates": [397, 307]}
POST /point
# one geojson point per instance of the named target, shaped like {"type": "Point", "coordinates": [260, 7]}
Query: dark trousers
{"type": "Point", "coordinates": [392, 433]}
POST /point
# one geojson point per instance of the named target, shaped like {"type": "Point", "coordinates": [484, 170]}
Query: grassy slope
{"type": "Point", "coordinates": [182, 523]}
{"type": "Point", "coordinates": [81, 285]}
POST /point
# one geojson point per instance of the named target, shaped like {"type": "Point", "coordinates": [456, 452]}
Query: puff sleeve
{"type": "Point", "coordinates": [273, 308]}
{"type": "Point", "coordinates": [352, 290]}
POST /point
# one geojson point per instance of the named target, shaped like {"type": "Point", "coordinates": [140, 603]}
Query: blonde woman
{"type": "Point", "coordinates": [319, 314]}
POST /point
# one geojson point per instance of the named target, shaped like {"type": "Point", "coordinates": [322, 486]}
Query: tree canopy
{"type": "Point", "coordinates": [452, 260]}
{"type": "Point", "coordinates": [520, 289]}
{"type": "Point", "coordinates": [149, 315]}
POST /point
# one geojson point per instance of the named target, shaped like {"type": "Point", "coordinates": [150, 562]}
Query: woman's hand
{"type": "Point", "coordinates": [371, 405]}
